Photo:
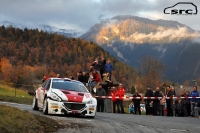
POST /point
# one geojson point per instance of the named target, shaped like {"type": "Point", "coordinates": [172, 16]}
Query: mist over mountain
{"type": "Point", "coordinates": [130, 37]}
{"type": "Point", "coordinates": [45, 27]}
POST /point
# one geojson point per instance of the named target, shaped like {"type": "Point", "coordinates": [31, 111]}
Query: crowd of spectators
{"type": "Point", "coordinates": [171, 104]}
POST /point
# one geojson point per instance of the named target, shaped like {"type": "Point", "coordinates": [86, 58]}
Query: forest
{"type": "Point", "coordinates": [26, 55]}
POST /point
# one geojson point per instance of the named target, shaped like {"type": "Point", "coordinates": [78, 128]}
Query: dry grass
{"type": "Point", "coordinates": [14, 120]}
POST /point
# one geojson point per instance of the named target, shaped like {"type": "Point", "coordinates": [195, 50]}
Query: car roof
{"type": "Point", "coordinates": [67, 79]}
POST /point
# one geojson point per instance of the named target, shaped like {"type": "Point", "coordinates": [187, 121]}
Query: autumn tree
{"type": "Point", "coordinates": [150, 72]}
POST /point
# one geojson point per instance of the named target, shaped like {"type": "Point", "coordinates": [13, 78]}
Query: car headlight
{"type": "Point", "coordinates": [92, 101]}
{"type": "Point", "coordinates": [55, 97]}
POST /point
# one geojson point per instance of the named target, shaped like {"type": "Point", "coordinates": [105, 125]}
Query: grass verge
{"type": "Point", "coordinates": [14, 120]}
{"type": "Point", "coordinates": [8, 94]}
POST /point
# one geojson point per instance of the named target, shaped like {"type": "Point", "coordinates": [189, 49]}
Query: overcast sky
{"type": "Point", "coordinates": [83, 14]}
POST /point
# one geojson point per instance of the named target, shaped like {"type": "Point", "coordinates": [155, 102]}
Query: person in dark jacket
{"type": "Point", "coordinates": [100, 102]}
{"type": "Point", "coordinates": [156, 102]}
{"type": "Point", "coordinates": [169, 101]}
{"type": "Point", "coordinates": [178, 108]}
{"type": "Point", "coordinates": [102, 67]}
{"type": "Point", "coordinates": [85, 77]}
{"type": "Point", "coordinates": [96, 65]}
{"type": "Point", "coordinates": [185, 104]}
{"type": "Point", "coordinates": [136, 102]}
{"type": "Point", "coordinates": [109, 68]}
{"type": "Point", "coordinates": [148, 102]}
{"type": "Point", "coordinates": [80, 77]}
{"type": "Point", "coordinates": [188, 103]}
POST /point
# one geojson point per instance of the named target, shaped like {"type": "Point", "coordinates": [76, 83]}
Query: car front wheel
{"type": "Point", "coordinates": [45, 107]}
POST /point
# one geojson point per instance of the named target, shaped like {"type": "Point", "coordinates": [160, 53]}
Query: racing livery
{"type": "Point", "coordinates": [64, 96]}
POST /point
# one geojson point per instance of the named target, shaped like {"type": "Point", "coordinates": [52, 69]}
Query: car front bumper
{"type": "Point", "coordinates": [56, 107]}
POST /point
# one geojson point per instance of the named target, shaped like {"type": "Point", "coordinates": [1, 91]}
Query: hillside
{"type": "Point", "coordinates": [44, 27]}
{"type": "Point", "coordinates": [27, 55]}
{"type": "Point", "coordinates": [129, 38]}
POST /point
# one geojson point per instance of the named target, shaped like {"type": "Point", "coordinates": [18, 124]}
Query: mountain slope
{"type": "Point", "coordinates": [56, 54]}
{"type": "Point", "coordinates": [129, 38]}
{"type": "Point", "coordinates": [46, 28]}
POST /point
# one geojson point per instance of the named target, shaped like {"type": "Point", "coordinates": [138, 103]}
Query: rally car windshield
{"type": "Point", "coordinates": [68, 85]}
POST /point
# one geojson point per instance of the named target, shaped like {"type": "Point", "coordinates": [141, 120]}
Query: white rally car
{"type": "Point", "coordinates": [64, 96]}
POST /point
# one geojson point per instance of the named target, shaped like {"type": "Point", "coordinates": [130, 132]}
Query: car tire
{"type": "Point", "coordinates": [35, 103]}
{"type": "Point", "coordinates": [45, 107]}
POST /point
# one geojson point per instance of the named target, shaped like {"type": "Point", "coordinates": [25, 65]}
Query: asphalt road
{"type": "Point", "coordinates": [121, 123]}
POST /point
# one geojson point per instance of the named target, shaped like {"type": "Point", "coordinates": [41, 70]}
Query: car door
{"type": "Point", "coordinates": [44, 89]}
{"type": "Point", "coordinates": [41, 92]}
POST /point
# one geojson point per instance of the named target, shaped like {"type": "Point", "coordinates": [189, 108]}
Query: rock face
{"type": "Point", "coordinates": [129, 38]}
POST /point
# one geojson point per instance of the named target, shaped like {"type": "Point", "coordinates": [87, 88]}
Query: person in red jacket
{"type": "Point", "coordinates": [96, 78]}
{"type": "Point", "coordinates": [114, 93]}
{"type": "Point", "coordinates": [121, 92]}
{"type": "Point", "coordinates": [45, 77]}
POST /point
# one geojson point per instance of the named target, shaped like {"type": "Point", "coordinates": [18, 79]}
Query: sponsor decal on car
{"type": "Point", "coordinates": [91, 108]}
{"type": "Point", "coordinates": [54, 106]}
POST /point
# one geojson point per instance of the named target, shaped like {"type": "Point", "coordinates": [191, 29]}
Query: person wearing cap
{"type": "Point", "coordinates": [148, 102]}
{"type": "Point", "coordinates": [121, 91]}
{"type": "Point", "coordinates": [100, 101]}
{"type": "Point", "coordinates": [136, 102]}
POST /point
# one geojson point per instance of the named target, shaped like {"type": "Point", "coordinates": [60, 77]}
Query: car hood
{"type": "Point", "coordinates": [73, 96]}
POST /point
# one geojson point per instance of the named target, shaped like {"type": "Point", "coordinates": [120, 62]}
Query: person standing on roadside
{"type": "Point", "coordinates": [149, 93]}
{"type": "Point", "coordinates": [113, 93]}
{"type": "Point", "coordinates": [162, 104]}
{"type": "Point", "coordinates": [156, 102]}
{"type": "Point", "coordinates": [136, 102]}
{"type": "Point", "coordinates": [100, 101]}
{"type": "Point", "coordinates": [121, 91]}
{"type": "Point", "coordinates": [188, 104]}
{"type": "Point", "coordinates": [194, 101]}
{"type": "Point", "coordinates": [169, 100]}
